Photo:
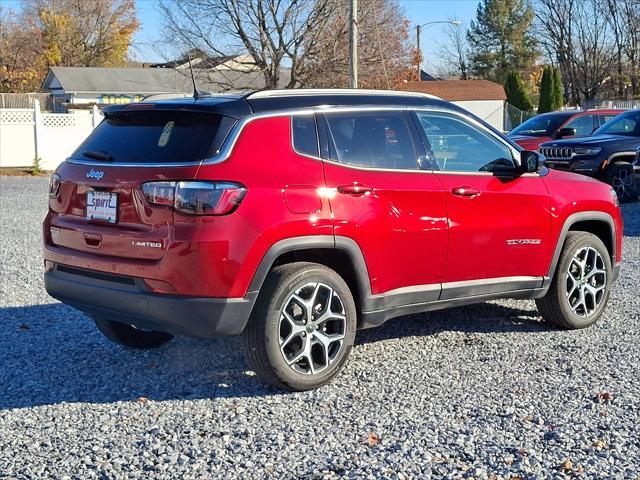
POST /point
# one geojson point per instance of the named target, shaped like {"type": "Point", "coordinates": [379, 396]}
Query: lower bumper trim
{"type": "Point", "coordinates": [178, 315]}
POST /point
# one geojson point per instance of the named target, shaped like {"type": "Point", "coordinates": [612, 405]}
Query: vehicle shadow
{"type": "Point", "coordinates": [477, 318]}
{"type": "Point", "coordinates": [52, 353]}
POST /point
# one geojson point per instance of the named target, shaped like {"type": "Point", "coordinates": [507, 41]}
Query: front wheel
{"type": "Point", "coordinates": [302, 327]}
{"type": "Point", "coordinates": [621, 177]}
{"type": "Point", "coordinates": [580, 287]}
{"type": "Point", "coordinates": [130, 336]}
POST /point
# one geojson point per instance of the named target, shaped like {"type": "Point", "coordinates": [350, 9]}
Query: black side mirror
{"type": "Point", "coordinates": [565, 132]}
{"type": "Point", "coordinates": [531, 162]}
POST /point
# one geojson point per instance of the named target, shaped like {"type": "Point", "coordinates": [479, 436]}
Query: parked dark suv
{"type": "Point", "coordinates": [296, 217]}
{"type": "Point", "coordinates": [608, 154]}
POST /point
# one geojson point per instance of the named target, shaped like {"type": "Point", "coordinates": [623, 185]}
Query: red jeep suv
{"type": "Point", "coordinates": [297, 217]}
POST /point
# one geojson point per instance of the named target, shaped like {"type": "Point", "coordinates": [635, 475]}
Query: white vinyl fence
{"type": "Point", "coordinates": [27, 134]}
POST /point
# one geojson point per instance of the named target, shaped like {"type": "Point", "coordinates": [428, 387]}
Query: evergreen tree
{"type": "Point", "coordinates": [557, 95]}
{"type": "Point", "coordinates": [500, 38]}
{"type": "Point", "coordinates": [545, 104]}
{"type": "Point", "coordinates": [516, 93]}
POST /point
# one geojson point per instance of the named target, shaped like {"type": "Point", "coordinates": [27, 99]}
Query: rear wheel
{"type": "Point", "coordinates": [302, 327]}
{"type": "Point", "coordinates": [130, 336]}
{"type": "Point", "coordinates": [621, 177]}
{"type": "Point", "coordinates": [580, 287]}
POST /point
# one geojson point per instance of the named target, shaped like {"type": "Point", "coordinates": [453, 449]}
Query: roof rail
{"type": "Point", "coordinates": [295, 92]}
{"type": "Point", "coordinates": [165, 96]}
{"type": "Point", "coordinates": [203, 95]}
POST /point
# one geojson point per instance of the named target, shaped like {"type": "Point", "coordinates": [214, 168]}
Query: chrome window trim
{"type": "Point", "coordinates": [232, 137]}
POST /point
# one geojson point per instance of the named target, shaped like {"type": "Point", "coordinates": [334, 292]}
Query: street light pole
{"type": "Point", "coordinates": [418, 29]}
{"type": "Point", "coordinates": [353, 44]}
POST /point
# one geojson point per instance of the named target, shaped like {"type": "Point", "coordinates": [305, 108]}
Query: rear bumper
{"type": "Point", "coordinates": [127, 300]}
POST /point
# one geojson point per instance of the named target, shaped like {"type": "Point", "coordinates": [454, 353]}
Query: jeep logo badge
{"type": "Point", "coordinates": [97, 174]}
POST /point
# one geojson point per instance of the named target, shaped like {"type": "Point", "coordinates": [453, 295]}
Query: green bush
{"type": "Point", "coordinates": [545, 104]}
{"type": "Point", "coordinates": [516, 93]}
{"type": "Point", "coordinates": [36, 168]}
{"type": "Point", "coordinates": [557, 95]}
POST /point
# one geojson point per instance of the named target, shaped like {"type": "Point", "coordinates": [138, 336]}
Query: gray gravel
{"type": "Point", "coordinates": [478, 392]}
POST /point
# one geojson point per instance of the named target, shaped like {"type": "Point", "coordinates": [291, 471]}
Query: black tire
{"type": "Point", "coordinates": [262, 337]}
{"type": "Point", "coordinates": [129, 336]}
{"type": "Point", "coordinates": [621, 177]}
{"type": "Point", "coordinates": [555, 306]}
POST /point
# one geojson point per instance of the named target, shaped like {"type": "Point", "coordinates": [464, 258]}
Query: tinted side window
{"type": "Point", "coordinates": [606, 117]}
{"type": "Point", "coordinates": [461, 147]}
{"type": "Point", "coordinates": [583, 125]}
{"type": "Point", "coordinates": [305, 137]}
{"type": "Point", "coordinates": [371, 139]}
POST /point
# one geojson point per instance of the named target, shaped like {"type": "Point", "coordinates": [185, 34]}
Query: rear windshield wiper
{"type": "Point", "coordinates": [105, 157]}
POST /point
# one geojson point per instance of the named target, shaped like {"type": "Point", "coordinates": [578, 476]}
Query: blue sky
{"type": "Point", "coordinates": [418, 11]}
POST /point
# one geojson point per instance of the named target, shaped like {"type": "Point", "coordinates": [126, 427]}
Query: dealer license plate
{"type": "Point", "coordinates": [102, 206]}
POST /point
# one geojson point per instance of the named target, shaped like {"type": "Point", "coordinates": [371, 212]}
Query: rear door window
{"type": "Point", "coordinates": [370, 139]}
{"type": "Point", "coordinates": [155, 137]}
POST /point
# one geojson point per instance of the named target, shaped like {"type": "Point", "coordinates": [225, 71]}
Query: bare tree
{"type": "Point", "coordinates": [385, 57]}
{"type": "Point", "coordinates": [577, 37]}
{"type": "Point", "coordinates": [454, 50]}
{"type": "Point", "coordinates": [615, 18]}
{"type": "Point", "coordinates": [630, 10]}
{"type": "Point", "coordinates": [272, 32]}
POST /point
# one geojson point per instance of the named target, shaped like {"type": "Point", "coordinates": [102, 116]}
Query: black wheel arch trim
{"type": "Point", "coordinates": [619, 157]}
{"type": "Point", "coordinates": [308, 242]}
{"type": "Point", "coordinates": [568, 223]}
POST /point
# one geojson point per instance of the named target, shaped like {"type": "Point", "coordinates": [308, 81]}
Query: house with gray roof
{"type": "Point", "coordinates": [83, 87]}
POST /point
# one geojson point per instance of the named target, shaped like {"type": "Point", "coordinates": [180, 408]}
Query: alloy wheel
{"type": "Point", "coordinates": [586, 281]}
{"type": "Point", "coordinates": [623, 183]}
{"type": "Point", "coordinates": [312, 328]}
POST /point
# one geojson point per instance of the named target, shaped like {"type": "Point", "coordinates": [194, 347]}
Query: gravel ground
{"type": "Point", "coordinates": [486, 391]}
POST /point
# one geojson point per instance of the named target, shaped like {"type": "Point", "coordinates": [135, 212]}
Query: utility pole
{"type": "Point", "coordinates": [353, 44]}
{"type": "Point", "coordinates": [419, 52]}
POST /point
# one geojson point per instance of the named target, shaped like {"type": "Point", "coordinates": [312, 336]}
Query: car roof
{"type": "Point", "coordinates": [576, 113]}
{"type": "Point", "coordinates": [240, 104]}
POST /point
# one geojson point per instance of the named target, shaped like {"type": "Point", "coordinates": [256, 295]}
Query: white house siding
{"type": "Point", "coordinates": [491, 111]}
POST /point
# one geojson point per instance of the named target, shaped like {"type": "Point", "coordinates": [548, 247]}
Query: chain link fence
{"type": "Point", "coordinates": [514, 117]}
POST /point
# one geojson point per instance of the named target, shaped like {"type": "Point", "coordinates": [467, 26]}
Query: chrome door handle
{"type": "Point", "coordinates": [465, 191]}
{"type": "Point", "coordinates": [354, 189]}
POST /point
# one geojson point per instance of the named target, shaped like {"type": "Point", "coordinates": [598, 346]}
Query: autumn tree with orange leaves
{"type": "Point", "coordinates": [74, 33]}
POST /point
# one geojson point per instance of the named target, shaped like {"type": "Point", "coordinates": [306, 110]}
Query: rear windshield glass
{"type": "Point", "coordinates": [155, 137]}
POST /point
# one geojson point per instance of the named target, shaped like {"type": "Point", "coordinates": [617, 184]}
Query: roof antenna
{"type": "Point", "coordinates": [196, 93]}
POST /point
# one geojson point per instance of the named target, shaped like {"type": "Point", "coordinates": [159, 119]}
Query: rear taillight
{"type": "Point", "coordinates": [54, 185]}
{"type": "Point", "coordinates": [197, 197]}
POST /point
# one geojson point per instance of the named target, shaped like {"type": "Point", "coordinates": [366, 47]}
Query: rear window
{"type": "Point", "coordinates": [305, 138]}
{"type": "Point", "coordinates": [155, 137]}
